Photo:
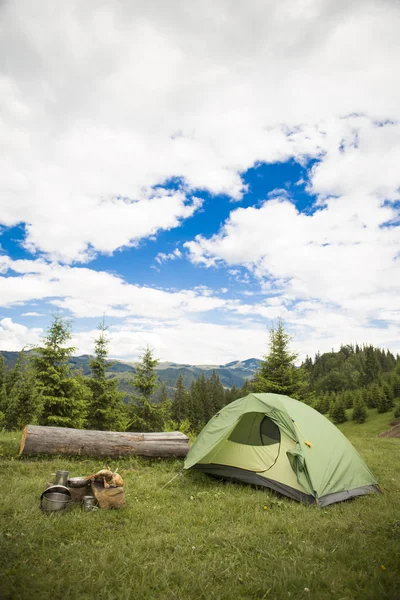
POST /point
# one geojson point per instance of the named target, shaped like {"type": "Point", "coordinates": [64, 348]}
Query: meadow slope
{"type": "Point", "coordinates": [204, 540]}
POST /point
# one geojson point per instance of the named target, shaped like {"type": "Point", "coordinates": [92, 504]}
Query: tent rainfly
{"type": "Point", "coordinates": [277, 442]}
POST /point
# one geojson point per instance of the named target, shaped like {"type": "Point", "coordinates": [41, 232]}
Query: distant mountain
{"type": "Point", "coordinates": [233, 373]}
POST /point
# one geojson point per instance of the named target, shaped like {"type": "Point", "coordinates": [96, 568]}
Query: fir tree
{"type": "Point", "coordinates": [388, 391]}
{"type": "Point", "coordinates": [215, 393]}
{"type": "Point", "coordinates": [338, 412]}
{"type": "Point", "coordinates": [278, 373]}
{"type": "Point", "coordinates": [13, 375]}
{"type": "Point", "coordinates": [396, 386]}
{"type": "Point", "coordinates": [245, 390]}
{"type": "Point", "coordinates": [64, 396]}
{"type": "Point", "coordinates": [322, 404]}
{"type": "Point", "coordinates": [144, 414]}
{"type": "Point", "coordinates": [372, 368]}
{"type": "Point", "coordinates": [24, 401]}
{"type": "Point", "coordinates": [105, 406]}
{"type": "Point", "coordinates": [162, 393]}
{"type": "Point", "coordinates": [359, 410]}
{"type": "Point", "coordinates": [348, 398]}
{"type": "Point", "coordinates": [383, 404]}
{"type": "Point", "coordinates": [231, 394]}
{"type": "Point", "coordinates": [199, 404]}
{"type": "Point", "coordinates": [145, 380]}
{"type": "Point", "coordinates": [374, 394]}
{"type": "Point", "coordinates": [201, 407]}
{"type": "Point", "coordinates": [3, 393]}
{"type": "Point", "coordinates": [180, 410]}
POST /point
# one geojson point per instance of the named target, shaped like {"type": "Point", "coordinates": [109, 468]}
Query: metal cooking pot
{"type": "Point", "coordinates": [55, 498]}
{"type": "Point", "coordinates": [77, 482]}
{"type": "Point", "coordinates": [61, 478]}
{"type": "Point", "coordinates": [89, 503]}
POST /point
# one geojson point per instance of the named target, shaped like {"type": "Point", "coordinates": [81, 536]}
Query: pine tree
{"type": "Point", "coordinates": [245, 390]}
{"type": "Point", "coordinates": [3, 393]}
{"type": "Point", "coordinates": [396, 386]}
{"type": "Point", "coordinates": [359, 410]}
{"type": "Point", "coordinates": [322, 404]}
{"type": "Point", "coordinates": [278, 373]}
{"type": "Point", "coordinates": [230, 394]}
{"type": "Point", "coordinates": [201, 407]}
{"type": "Point", "coordinates": [372, 368]}
{"type": "Point", "coordinates": [383, 404]}
{"type": "Point", "coordinates": [144, 414]}
{"type": "Point", "coordinates": [145, 380]}
{"type": "Point", "coordinates": [13, 375]}
{"type": "Point", "coordinates": [64, 396]}
{"type": "Point", "coordinates": [180, 410]}
{"type": "Point", "coordinates": [215, 393]}
{"type": "Point", "coordinates": [24, 401]}
{"type": "Point", "coordinates": [388, 391]}
{"type": "Point", "coordinates": [198, 403]}
{"type": "Point", "coordinates": [374, 392]}
{"type": "Point", "coordinates": [162, 393]}
{"type": "Point", "coordinates": [348, 398]}
{"type": "Point", "coordinates": [105, 405]}
{"type": "Point", "coordinates": [338, 412]}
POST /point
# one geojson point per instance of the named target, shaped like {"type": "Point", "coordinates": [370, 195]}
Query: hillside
{"type": "Point", "coordinates": [205, 539]}
{"type": "Point", "coordinates": [232, 374]}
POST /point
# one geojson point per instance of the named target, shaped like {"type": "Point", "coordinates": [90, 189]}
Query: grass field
{"type": "Point", "coordinates": [201, 541]}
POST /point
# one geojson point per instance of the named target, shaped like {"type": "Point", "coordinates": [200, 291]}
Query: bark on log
{"type": "Point", "coordinates": [62, 440]}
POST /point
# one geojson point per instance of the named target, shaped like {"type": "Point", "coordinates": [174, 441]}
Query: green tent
{"type": "Point", "coordinates": [277, 442]}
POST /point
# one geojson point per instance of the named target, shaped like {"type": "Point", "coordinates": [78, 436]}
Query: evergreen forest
{"type": "Point", "coordinates": [43, 388]}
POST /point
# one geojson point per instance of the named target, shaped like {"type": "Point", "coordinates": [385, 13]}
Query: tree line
{"type": "Point", "coordinates": [44, 389]}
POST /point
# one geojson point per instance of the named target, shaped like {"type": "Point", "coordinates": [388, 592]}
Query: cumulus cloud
{"type": "Point", "coordinates": [103, 101]}
{"type": "Point", "coordinates": [102, 104]}
{"type": "Point", "coordinates": [174, 341]}
{"type": "Point", "coordinates": [345, 253]}
{"type": "Point", "coordinates": [14, 336]}
{"type": "Point", "coordinates": [88, 293]}
{"type": "Point", "coordinates": [164, 257]}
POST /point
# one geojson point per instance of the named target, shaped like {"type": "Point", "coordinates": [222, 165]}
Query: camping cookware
{"type": "Point", "coordinates": [89, 503]}
{"type": "Point", "coordinates": [61, 478]}
{"type": "Point", "coordinates": [77, 482]}
{"type": "Point", "coordinates": [55, 498]}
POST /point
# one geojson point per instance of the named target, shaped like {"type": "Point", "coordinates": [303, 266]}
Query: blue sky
{"type": "Point", "coordinates": [193, 188]}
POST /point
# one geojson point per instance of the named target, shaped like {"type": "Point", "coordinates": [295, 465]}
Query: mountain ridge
{"type": "Point", "coordinates": [233, 373]}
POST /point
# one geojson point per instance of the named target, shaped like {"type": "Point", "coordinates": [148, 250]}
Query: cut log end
{"type": "Point", "coordinates": [23, 440]}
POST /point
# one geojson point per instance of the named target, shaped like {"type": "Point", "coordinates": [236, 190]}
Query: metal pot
{"type": "Point", "coordinates": [55, 498]}
{"type": "Point", "coordinates": [77, 482]}
{"type": "Point", "coordinates": [61, 478]}
{"type": "Point", "coordinates": [89, 503]}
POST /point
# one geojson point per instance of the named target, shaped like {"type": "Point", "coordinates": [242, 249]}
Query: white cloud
{"type": "Point", "coordinates": [347, 252]}
{"type": "Point", "coordinates": [163, 257]}
{"type": "Point", "coordinates": [32, 314]}
{"type": "Point", "coordinates": [88, 293]}
{"type": "Point", "coordinates": [214, 344]}
{"type": "Point", "coordinates": [102, 101]}
{"type": "Point", "coordinates": [14, 336]}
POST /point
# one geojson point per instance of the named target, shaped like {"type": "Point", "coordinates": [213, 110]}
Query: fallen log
{"type": "Point", "coordinates": [83, 442]}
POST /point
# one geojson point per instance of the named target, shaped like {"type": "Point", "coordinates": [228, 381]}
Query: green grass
{"type": "Point", "coordinates": [201, 541]}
